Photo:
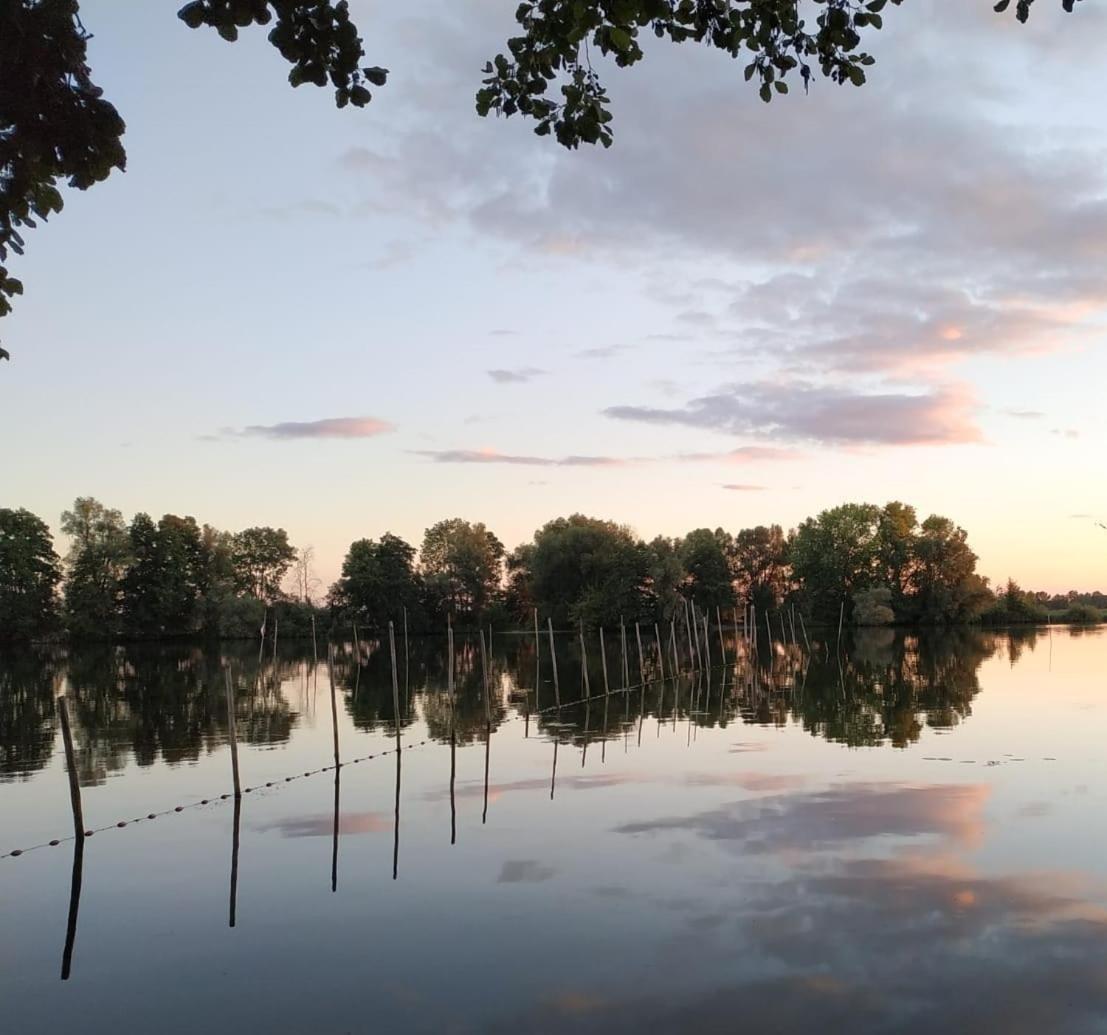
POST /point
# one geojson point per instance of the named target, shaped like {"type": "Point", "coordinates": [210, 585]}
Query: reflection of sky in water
{"type": "Point", "coordinates": [703, 879]}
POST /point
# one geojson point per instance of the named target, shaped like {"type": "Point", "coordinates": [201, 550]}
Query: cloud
{"type": "Point", "coordinates": [601, 352]}
{"type": "Point", "coordinates": [741, 455]}
{"type": "Point", "coordinates": [492, 456]}
{"type": "Point", "coordinates": [330, 427]}
{"type": "Point", "coordinates": [737, 487]}
{"type": "Point", "coordinates": [1024, 414]}
{"type": "Point", "coordinates": [323, 826]}
{"type": "Point", "coordinates": [518, 376]}
{"type": "Point", "coordinates": [800, 411]}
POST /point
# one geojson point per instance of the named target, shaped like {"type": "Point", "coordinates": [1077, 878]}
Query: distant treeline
{"type": "Point", "coordinates": [864, 564]}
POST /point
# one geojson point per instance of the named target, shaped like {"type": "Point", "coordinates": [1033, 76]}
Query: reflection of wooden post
{"type": "Point", "coordinates": [553, 659]}
{"type": "Point", "coordinates": [337, 767]}
{"type": "Point", "coordinates": [584, 662]}
{"type": "Point", "coordinates": [233, 908]}
{"type": "Point", "coordinates": [487, 756]}
{"type": "Point", "coordinates": [453, 775]}
{"type": "Point", "coordinates": [553, 774]}
{"type": "Point", "coordinates": [74, 904]}
{"type": "Point", "coordinates": [232, 732]}
{"type": "Point", "coordinates": [399, 750]}
{"type": "Point", "coordinates": [660, 652]}
{"type": "Point", "coordinates": [78, 838]}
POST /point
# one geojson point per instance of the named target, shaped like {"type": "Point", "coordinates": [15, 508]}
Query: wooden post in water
{"type": "Point", "coordinates": [553, 659]}
{"type": "Point", "coordinates": [232, 732]}
{"type": "Point", "coordinates": [841, 617]}
{"type": "Point", "coordinates": [641, 662]}
{"type": "Point", "coordinates": [603, 657]}
{"type": "Point", "coordinates": [314, 645]}
{"type": "Point", "coordinates": [626, 664]}
{"type": "Point", "coordinates": [274, 634]}
{"type": "Point", "coordinates": [484, 673]}
{"type": "Point", "coordinates": [674, 654]}
{"type": "Point", "coordinates": [537, 659]}
{"type": "Point", "coordinates": [660, 651]}
{"type": "Point", "coordinates": [792, 620]}
{"type": "Point", "coordinates": [71, 768]}
{"type": "Point", "coordinates": [737, 639]}
{"type": "Point", "coordinates": [688, 630]}
{"type": "Point", "coordinates": [722, 642]}
{"type": "Point", "coordinates": [407, 658]}
{"type": "Point", "coordinates": [450, 661]}
{"type": "Point", "coordinates": [803, 626]}
{"type": "Point", "coordinates": [783, 631]}
{"type": "Point", "coordinates": [707, 647]}
{"type": "Point", "coordinates": [357, 643]}
{"type": "Point", "coordinates": [769, 629]}
{"type": "Point", "coordinates": [584, 663]}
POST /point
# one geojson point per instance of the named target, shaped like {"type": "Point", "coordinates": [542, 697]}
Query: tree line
{"type": "Point", "coordinates": [858, 563]}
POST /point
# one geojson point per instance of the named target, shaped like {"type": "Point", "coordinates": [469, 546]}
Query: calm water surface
{"type": "Point", "coordinates": [907, 837]}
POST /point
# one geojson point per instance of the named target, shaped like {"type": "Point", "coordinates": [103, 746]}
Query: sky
{"type": "Point", "coordinates": [351, 322]}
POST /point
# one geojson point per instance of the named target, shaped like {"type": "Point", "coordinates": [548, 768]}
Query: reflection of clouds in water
{"type": "Point", "coordinates": [749, 781]}
{"type": "Point", "coordinates": [741, 747]}
{"type": "Point", "coordinates": [323, 826]}
{"type": "Point", "coordinates": [829, 818]}
{"type": "Point", "coordinates": [909, 944]}
{"type": "Point", "coordinates": [475, 788]}
{"type": "Point", "coordinates": [524, 871]}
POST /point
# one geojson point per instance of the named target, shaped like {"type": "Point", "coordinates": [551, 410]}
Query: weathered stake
{"type": "Point", "coordinates": [641, 662]}
{"type": "Point", "coordinates": [71, 768]}
{"type": "Point", "coordinates": [232, 732]}
{"type": "Point", "coordinates": [553, 659]}
{"type": "Point", "coordinates": [584, 663]}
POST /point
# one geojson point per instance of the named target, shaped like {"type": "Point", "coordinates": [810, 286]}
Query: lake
{"type": "Point", "coordinates": [902, 835]}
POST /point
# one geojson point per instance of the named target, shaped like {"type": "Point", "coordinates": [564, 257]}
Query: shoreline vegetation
{"type": "Point", "coordinates": [855, 565]}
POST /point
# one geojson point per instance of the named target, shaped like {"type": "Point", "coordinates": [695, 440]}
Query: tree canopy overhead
{"type": "Point", "coordinates": [57, 128]}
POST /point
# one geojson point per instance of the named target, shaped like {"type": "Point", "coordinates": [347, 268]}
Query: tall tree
{"type": "Point", "coordinates": [462, 565]}
{"type": "Point", "coordinates": [56, 126]}
{"type": "Point", "coordinates": [97, 560]}
{"type": "Point", "coordinates": [29, 574]}
{"type": "Point", "coordinates": [378, 581]}
{"type": "Point", "coordinates": [835, 555]}
{"type": "Point", "coordinates": [261, 557]}
{"type": "Point", "coordinates": [161, 589]}
{"type": "Point", "coordinates": [761, 566]}
{"type": "Point", "coordinates": [585, 569]}
{"type": "Point", "coordinates": [705, 556]}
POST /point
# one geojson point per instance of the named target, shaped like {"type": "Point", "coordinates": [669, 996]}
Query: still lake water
{"type": "Point", "coordinates": [905, 838]}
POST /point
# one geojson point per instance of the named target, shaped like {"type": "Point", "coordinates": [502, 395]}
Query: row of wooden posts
{"type": "Point", "coordinates": [697, 630]}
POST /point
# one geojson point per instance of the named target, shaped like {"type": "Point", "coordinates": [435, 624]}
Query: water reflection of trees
{"type": "Point", "coordinates": [143, 703]}
{"type": "Point", "coordinates": [151, 703]}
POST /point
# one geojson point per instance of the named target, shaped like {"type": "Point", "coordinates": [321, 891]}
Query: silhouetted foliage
{"type": "Point", "coordinates": [29, 575]}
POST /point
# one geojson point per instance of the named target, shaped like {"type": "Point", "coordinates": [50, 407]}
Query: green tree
{"type": "Point", "coordinates": [161, 589]}
{"type": "Point", "coordinates": [665, 580]}
{"type": "Point", "coordinates": [895, 549]}
{"type": "Point", "coordinates": [761, 566]}
{"type": "Point", "coordinates": [99, 553]}
{"type": "Point", "coordinates": [56, 126]}
{"type": "Point", "coordinates": [705, 556]}
{"type": "Point", "coordinates": [378, 581]}
{"type": "Point", "coordinates": [29, 576]}
{"type": "Point", "coordinates": [835, 555]}
{"type": "Point", "coordinates": [944, 585]}
{"type": "Point", "coordinates": [462, 566]}
{"type": "Point", "coordinates": [261, 557]}
{"type": "Point", "coordinates": [585, 569]}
